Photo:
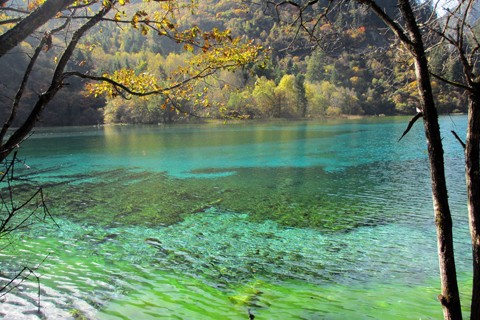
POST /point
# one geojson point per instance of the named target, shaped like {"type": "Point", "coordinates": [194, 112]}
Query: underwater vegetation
{"type": "Point", "coordinates": [293, 197]}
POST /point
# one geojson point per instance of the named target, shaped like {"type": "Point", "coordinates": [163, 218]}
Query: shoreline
{"type": "Point", "coordinates": [197, 121]}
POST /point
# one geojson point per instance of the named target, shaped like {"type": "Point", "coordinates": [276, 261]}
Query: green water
{"type": "Point", "coordinates": [285, 220]}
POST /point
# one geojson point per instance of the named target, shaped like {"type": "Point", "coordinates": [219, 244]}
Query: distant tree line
{"type": "Point", "coordinates": [350, 70]}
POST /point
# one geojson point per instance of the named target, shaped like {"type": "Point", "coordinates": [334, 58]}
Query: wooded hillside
{"type": "Point", "coordinates": [350, 68]}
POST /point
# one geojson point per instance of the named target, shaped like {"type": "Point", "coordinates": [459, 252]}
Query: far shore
{"type": "Point", "coordinates": [268, 120]}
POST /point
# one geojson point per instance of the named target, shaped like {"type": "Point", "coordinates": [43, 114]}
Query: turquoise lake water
{"type": "Point", "coordinates": [282, 220]}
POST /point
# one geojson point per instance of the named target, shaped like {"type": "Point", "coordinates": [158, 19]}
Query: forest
{"type": "Point", "coordinates": [350, 69]}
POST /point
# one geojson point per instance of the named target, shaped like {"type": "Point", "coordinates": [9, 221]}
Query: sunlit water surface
{"type": "Point", "coordinates": [283, 220]}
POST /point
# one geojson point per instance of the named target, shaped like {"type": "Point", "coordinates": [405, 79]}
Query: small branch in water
{"type": "Point", "coordinates": [459, 140]}
{"type": "Point", "coordinates": [410, 124]}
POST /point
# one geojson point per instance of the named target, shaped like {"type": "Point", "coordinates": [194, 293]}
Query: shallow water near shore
{"type": "Point", "coordinates": [284, 220]}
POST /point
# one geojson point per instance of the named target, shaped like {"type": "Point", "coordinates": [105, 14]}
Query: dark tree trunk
{"type": "Point", "coordinates": [450, 298]}
{"type": "Point", "coordinates": [411, 37]}
{"type": "Point", "coordinates": [472, 167]}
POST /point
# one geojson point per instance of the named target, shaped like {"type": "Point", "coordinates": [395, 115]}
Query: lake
{"type": "Point", "coordinates": [280, 220]}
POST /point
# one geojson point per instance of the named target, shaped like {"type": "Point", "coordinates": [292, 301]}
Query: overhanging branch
{"type": "Point", "coordinates": [399, 32]}
{"type": "Point", "coordinates": [57, 82]}
{"type": "Point", "coordinates": [27, 26]}
{"type": "Point", "coordinates": [201, 74]}
{"type": "Point", "coordinates": [453, 83]}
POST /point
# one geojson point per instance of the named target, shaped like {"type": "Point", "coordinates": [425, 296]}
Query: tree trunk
{"type": "Point", "coordinates": [473, 190]}
{"type": "Point", "coordinates": [450, 298]}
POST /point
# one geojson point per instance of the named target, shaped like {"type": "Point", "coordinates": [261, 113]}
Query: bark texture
{"type": "Point", "coordinates": [472, 166]}
{"type": "Point", "coordinates": [449, 298]}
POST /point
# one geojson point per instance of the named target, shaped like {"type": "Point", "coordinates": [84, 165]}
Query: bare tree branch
{"type": "Point", "coordinates": [9, 21]}
{"type": "Point", "coordinates": [452, 83]}
{"type": "Point", "coordinates": [21, 89]}
{"type": "Point", "coordinates": [410, 124]}
{"type": "Point", "coordinates": [458, 139]}
{"type": "Point", "coordinates": [394, 26]}
{"type": "Point", "coordinates": [16, 10]}
{"type": "Point", "coordinates": [24, 81]}
{"type": "Point", "coordinates": [57, 82]}
{"type": "Point", "coordinates": [27, 26]}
